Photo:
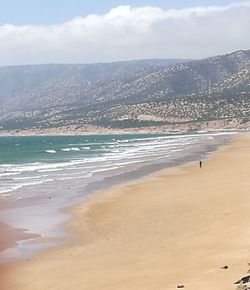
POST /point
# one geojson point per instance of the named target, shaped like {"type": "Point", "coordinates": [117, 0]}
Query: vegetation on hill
{"type": "Point", "coordinates": [131, 94]}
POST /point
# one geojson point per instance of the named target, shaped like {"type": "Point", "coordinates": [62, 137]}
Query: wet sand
{"type": "Point", "coordinates": [178, 226]}
{"type": "Point", "coordinates": [9, 236]}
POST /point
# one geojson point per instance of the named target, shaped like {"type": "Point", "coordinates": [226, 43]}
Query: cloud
{"type": "Point", "coordinates": [127, 32]}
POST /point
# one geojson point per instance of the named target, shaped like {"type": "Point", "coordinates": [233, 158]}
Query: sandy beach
{"type": "Point", "coordinates": [178, 226]}
{"type": "Point", "coordinates": [10, 236]}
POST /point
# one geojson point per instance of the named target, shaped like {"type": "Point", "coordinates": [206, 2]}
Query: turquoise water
{"type": "Point", "coordinates": [15, 150]}
{"type": "Point", "coordinates": [39, 159]}
{"type": "Point", "coordinates": [41, 175]}
{"type": "Point", "coordinates": [26, 161]}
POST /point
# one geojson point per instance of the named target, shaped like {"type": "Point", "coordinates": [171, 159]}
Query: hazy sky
{"type": "Point", "coordinates": [70, 31]}
{"type": "Point", "coordinates": [21, 12]}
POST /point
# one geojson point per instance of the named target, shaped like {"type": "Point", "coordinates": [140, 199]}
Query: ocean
{"type": "Point", "coordinates": [43, 174]}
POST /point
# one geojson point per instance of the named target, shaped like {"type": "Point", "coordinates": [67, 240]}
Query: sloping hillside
{"type": "Point", "coordinates": [128, 94]}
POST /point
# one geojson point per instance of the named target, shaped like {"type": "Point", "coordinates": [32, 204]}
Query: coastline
{"type": "Point", "coordinates": [47, 216]}
{"type": "Point", "coordinates": [138, 236]}
{"type": "Point", "coordinates": [10, 237]}
{"type": "Point", "coordinates": [48, 231]}
{"type": "Point", "coordinates": [212, 126]}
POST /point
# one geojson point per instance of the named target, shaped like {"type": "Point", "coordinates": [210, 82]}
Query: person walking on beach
{"type": "Point", "coordinates": [200, 164]}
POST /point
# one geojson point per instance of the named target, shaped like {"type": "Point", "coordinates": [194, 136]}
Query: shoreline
{"type": "Point", "coordinates": [133, 176]}
{"type": "Point", "coordinates": [66, 131]}
{"type": "Point", "coordinates": [130, 238]}
{"type": "Point", "coordinates": [10, 237]}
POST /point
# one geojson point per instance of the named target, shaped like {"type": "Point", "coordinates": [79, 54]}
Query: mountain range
{"type": "Point", "coordinates": [164, 94]}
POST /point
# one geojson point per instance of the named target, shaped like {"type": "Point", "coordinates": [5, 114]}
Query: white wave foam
{"type": "Point", "coordinates": [9, 188]}
{"type": "Point", "coordinates": [119, 154]}
{"type": "Point", "coordinates": [29, 177]}
{"type": "Point", "coordinates": [105, 169]}
{"type": "Point", "coordinates": [51, 151]}
{"type": "Point", "coordinates": [83, 176]}
{"type": "Point", "coordinates": [30, 167]}
{"type": "Point", "coordinates": [13, 187]}
{"type": "Point", "coordinates": [71, 149]}
{"type": "Point", "coordinates": [9, 173]}
{"type": "Point", "coordinates": [50, 170]}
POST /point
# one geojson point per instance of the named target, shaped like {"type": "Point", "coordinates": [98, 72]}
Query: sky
{"type": "Point", "coordinates": [80, 31]}
{"type": "Point", "coordinates": [21, 12]}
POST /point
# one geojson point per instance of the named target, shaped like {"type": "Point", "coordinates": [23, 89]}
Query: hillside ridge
{"type": "Point", "coordinates": [182, 94]}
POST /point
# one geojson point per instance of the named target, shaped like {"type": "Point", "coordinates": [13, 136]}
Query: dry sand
{"type": "Point", "coordinates": [176, 227]}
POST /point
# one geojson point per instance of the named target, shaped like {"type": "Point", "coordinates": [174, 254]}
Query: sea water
{"type": "Point", "coordinates": [40, 175]}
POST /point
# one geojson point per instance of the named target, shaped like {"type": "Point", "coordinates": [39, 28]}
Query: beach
{"type": "Point", "coordinates": [178, 226]}
{"type": "Point", "coordinates": [41, 175]}
{"type": "Point", "coordinates": [10, 236]}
